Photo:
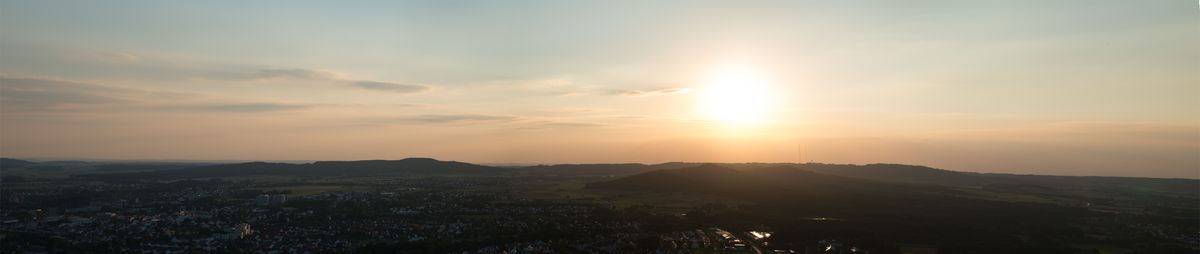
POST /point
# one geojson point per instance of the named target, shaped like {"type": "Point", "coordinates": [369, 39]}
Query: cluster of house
{"type": "Point", "coordinates": [228, 217]}
{"type": "Point", "coordinates": [689, 241]}
{"type": "Point", "coordinates": [271, 199]}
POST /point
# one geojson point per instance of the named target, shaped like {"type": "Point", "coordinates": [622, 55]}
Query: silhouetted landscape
{"type": "Point", "coordinates": [423, 205]}
{"type": "Point", "coordinates": [600, 127]}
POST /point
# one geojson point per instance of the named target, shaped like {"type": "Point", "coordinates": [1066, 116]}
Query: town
{"type": "Point", "coordinates": [556, 213]}
{"type": "Point", "coordinates": [439, 215]}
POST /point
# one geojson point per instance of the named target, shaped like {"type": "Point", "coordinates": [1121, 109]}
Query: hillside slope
{"type": "Point", "coordinates": [412, 166]}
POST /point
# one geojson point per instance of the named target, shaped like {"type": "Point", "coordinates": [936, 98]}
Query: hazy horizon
{"type": "Point", "coordinates": [529, 164]}
{"type": "Point", "coordinates": [1054, 88]}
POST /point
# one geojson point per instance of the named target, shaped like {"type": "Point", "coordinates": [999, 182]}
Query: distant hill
{"type": "Point", "coordinates": [881, 173]}
{"type": "Point", "coordinates": [883, 189]}
{"type": "Point", "coordinates": [768, 184]}
{"type": "Point", "coordinates": [7, 163]}
{"type": "Point", "coordinates": [622, 169]}
{"type": "Point", "coordinates": [927, 175]}
{"type": "Point", "coordinates": [878, 172]}
{"type": "Point", "coordinates": [146, 166]}
{"type": "Point", "coordinates": [414, 166]}
{"type": "Point", "coordinates": [898, 173]}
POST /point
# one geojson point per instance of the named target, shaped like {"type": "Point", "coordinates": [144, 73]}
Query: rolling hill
{"type": "Point", "coordinates": [622, 169]}
{"type": "Point", "coordinates": [763, 174]}
{"type": "Point", "coordinates": [769, 184]}
{"type": "Point", "coordinates": [7, 163]}
{"type": "Point", "coordinates": [409, 166]}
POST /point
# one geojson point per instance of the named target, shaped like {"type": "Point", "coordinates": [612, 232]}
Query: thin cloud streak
{"type": "Point", "coordinates": [653, 92]}
{"type": "Point", "coordinates": [390, 87]}
{"type": "Point", "coordinates": [302, 74]}
{"type": "Point", "coordinates": [245, 107]}
{"type": "Point", "coordinates": [37, 94]}
{"type": "Point", "coordinates": [331, 77]}
{"type": "Point", "coordinates": [29, 95]}
{"type": "Point", "coordinates": [460, 118]}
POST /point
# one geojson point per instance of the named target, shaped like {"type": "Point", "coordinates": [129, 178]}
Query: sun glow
{"type": "Point", "coordinates": [737, 96]}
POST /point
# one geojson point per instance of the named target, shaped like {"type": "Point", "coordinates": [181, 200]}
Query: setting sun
{"type": "Point", "coordinates": [736, 96]}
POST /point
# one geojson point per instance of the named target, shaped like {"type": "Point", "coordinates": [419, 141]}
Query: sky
{"type": "Point", "coordinates": [1033, 87]}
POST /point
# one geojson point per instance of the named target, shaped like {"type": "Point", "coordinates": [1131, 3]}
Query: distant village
{"type": "Point", "coordinates": [414, 215]}
{"type": "Point", "coordinates": [422, 215]}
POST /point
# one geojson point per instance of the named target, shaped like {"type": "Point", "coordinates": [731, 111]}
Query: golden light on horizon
{"type": "Point", "coordinates": [737, 96]}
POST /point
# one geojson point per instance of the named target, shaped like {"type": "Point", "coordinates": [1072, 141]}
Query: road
{"type": "Point", "coordinates": [750, 241]}
{"type": "Point", "coordinates": [746, 237]}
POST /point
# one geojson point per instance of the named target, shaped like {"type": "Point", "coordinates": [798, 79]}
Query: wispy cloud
{"type": "Point", "coordinates": [390, 87]}
{"type": "Point", "coordinates": [37, 94]}
{"type": "Point", "coordinates": [244, 107]}
{"type": "Point", "coordinates": [24, 94]}
{"type": "Point", "coordinates": [177, 68]}
{"type": "Point", "coordinates": [302, 74]}
{"type": "Point", "coordinates": [517, 122]}
{"type": "Point", "coordinates": [461, 118]}
{"type": "Point", "coordinates": [556, 86]}
{"type": "Point", "coordinates": [652, 92]}
{"type": "Point", "coordinates": [372, 105]}
{"type": "Point", "coordinates": [563, 125]}
{"type": "Point", "coordinates": [332, 77]}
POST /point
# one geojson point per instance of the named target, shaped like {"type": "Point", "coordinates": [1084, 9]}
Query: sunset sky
{"type": "Point", "coordinates": [1041, 87]}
